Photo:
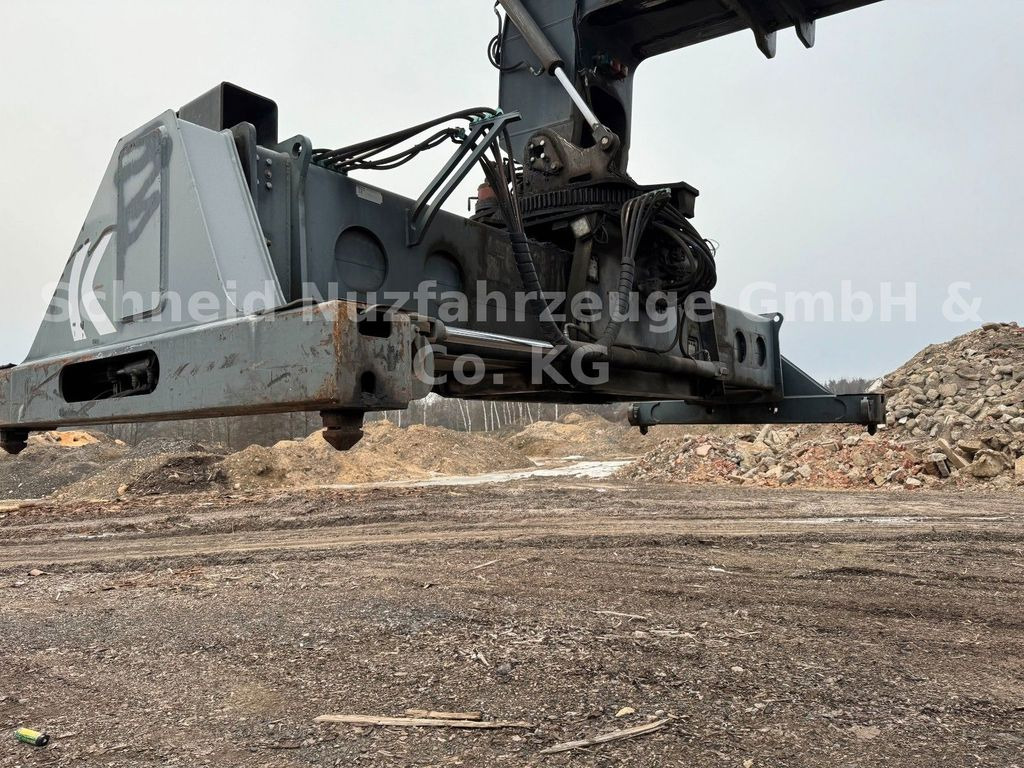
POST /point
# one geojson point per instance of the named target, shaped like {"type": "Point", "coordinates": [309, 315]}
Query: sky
{"type": "Point", "coordinates": [889, 155]}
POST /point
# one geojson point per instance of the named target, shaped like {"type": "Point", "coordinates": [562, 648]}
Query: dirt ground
{"type": "Point", "coordinates": [775, 627]}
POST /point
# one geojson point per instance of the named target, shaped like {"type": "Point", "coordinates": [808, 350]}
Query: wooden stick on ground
{"type": "Point", "coordinates": [419, 722]}
{"type": "Point", "coordinates": [429, 713]}
{"type": "Point", "coordinates": [635, 616]}
{"type": "Point", "coordinates": [482, 565]}
{"type": "Point", "coordinates": [604, 738]}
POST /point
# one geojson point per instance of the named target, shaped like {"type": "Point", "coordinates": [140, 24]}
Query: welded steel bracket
{"type": "Point", "coordinates": [764, 37]}
{"type": "Point", "coordinates": [803, 22]}
{"type": "Point", "coordinates": [482, 135]}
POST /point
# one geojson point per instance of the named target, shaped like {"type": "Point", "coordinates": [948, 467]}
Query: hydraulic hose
{"type": "Point", "coordinates": [534, 36]}
{"type": "Point", "coordinates": [531, 284]}
{"type": "Point", "coordinates": [635, 218]}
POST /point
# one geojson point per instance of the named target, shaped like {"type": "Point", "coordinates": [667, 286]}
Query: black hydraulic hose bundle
{"type": "Point", "coordinates": [496, 48]}
{"type": "Point", "coordinates": [506, 195]}
{"type": "Point", "coordinates": [531, 284]}
{"type": "Point", "coordinates": [698, 271]}
{"type": "Point", "coordinates": [365, 154]}
{"type": "Point", "coordinates": [635, 217]}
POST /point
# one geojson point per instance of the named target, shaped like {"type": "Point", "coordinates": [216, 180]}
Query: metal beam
{"type": "Point", "coordinates": [868, 410]}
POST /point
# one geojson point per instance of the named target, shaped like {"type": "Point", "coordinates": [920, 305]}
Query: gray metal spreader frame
{"type": "Point", "coordinates": [291, 259]}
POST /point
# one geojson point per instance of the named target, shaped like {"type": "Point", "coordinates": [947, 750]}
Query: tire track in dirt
{"type": "Point", "coordinates": [313, 535]}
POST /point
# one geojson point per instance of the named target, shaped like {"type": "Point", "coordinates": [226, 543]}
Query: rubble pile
{"type": "Point", "coordinates": [963, 401]}
{"type": "Point", "coordinates": [956, 417]}
{"type": "Point", "coordinates": [810, 456]}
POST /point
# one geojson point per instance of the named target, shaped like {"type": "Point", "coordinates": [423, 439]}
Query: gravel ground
{"type": "Point", "coordinates": [774, 627]}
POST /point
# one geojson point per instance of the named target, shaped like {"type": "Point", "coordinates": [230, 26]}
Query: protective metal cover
{"type": "Point", "coordinates": [173, 219]}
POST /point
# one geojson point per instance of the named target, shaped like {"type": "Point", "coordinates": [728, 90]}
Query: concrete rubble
{"type": "Point", "coordinates": [956, 417]}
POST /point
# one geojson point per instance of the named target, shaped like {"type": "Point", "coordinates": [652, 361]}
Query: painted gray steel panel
{"type": "Point", "coordinates": [142, 237]}
{"type": "Point", "coordinates": [237, 243]}
{"type": "Point", "coordinates": [212, 244]}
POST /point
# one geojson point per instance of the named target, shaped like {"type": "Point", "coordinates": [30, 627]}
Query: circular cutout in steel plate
{"type": "Point", "coordinates": [445, 271]}
{"type": "Point", "coordinates": [761, 348]}
{"type": "Point", "coordinates": [360, 261]}
{"type": "Point", "coordinates": [741, 347]}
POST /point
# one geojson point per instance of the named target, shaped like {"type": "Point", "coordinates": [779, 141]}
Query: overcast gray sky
{"type": "Point", "coordinates": [891, 152]}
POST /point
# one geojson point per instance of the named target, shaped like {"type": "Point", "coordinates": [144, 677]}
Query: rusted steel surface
{"type": "Point", "coordinates": [312, 358]}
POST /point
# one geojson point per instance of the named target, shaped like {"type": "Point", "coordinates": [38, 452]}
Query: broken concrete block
{"type": "Point", "coordinates": [937, 464]}
{"type": "Point", "coordinates": [970, 446]}
{"type": "Point", "coordinates": [955, 459]}
{"type": "Point", "coordinates": [986, 465]}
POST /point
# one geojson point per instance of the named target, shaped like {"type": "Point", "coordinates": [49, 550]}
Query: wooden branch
{"type": "Point", "coordinates": [419, 722]}
{"type": "Point", "coordinates": [431, 714]}
{"type": "Point", "coordinates": [482, 565]}
{"type": "Point", "coordinates": [604, 738]}
{"type": "Point", "coordinates": [633, 616]}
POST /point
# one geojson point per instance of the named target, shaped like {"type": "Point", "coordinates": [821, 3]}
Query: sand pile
{"type": "Point", "coordinates": [956, 416]}
{"type": "Point", "coordinates": [71, 439]}
{"type": "Point", "coordinates": [579, 435]}
{"type": "Point", "coordinates": [385, 453]}
{"type": "Point", "coordinates": [93, 466]}
{"type": "Point", "coordinates": [54, 460]}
